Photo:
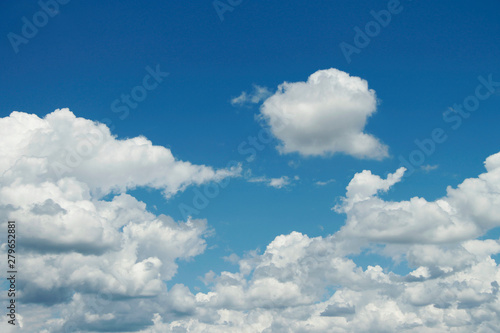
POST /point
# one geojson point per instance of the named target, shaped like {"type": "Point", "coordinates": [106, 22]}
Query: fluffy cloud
{"type": "Point", "coordinates": [74, 243]}
{"type": "Point", "coordinates": [54, 172]}
{"type": "Point", "coordinates": [115, 247]}
{"type": "Point", "coordinates": [465, 212]}
{"type": "Point", "coordinates": [453, 284]}
{"type": "Point", "coordinates": [95, 265]}
{"type": "Point", "coordinates": [324, 115]}
{"type": "Point", "coordinates": [364, 300]}
{"type": "Point", "coordinates": [64, 146]}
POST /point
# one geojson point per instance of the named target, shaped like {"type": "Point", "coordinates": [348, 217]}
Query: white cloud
{"type": "Point", "coordinates": [258, 95]}
{"type": "Point", "coordinates": [453, 287]}
{"type": "Point", "coordinates": [278, 183]}
{"type": "Point", "coordinates": [428, 167]}
{"type": "Point", "coordinates": [324, 115]}
{"type": "Point", "coordinates": [74, 242]}
{"type": "Point", "coordinates": [326, 182]}
{"type": "Point", "coordinates": [115, 247]}
{"type": "Point", "coordinates": [90, 264]}
{"type": "Point", "coordinates": [464, 213]}
{"type": "Point", "coordinates": [64, 146]}
{"type": "Point", "coordinates": [364, 299]}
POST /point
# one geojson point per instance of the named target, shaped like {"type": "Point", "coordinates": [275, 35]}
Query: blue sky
{"type": "Point", "coordinates": [428, 58]}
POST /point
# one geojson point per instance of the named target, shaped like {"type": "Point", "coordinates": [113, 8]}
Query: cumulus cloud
{"type": "Point", "coordinates": [63, 146]}
{"type": "Point", "coordinates": [363, 300]}
{"type": "Point", "coordinates": [325, 115]}
{"type": "Point", "coordinates": [465, 212]}
{"type": "Point", "coordinates": [114, 247]}
{"type": "Point", "coordinates": [95, 264]}
{"type": "Point", "coordinates": [453, 284]}
{"type": "Point", "coordinates": [55, 172]}
{"type": "Point", "coordinates": [72, 233]}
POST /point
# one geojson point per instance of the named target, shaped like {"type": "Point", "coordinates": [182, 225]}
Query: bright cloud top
{"type": "Point", "coordinates": [72, 241]}
{"type": "Point", "coordinates": [466, 212]}
{"type": "Point", "coordinates": [64, 146]}
{"type": "Point", "coordinates": [324, 115]}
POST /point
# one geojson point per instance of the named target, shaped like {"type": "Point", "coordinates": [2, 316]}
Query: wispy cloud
{"type": "Point", "coordinates": [429, 168]}
{"type": "Point", "coordinates": [326, 182]}
{"type": "Point", "coordinates": [280, 182]}
{"type": "Point", "coordinates": [258, 95]}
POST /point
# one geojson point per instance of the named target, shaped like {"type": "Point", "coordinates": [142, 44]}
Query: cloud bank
{"type": "Point", "coordinates": [92, 264]}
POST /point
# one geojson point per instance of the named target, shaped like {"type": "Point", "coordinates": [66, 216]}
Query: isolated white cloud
{"type": "Point", "coordinates": [324, 115]}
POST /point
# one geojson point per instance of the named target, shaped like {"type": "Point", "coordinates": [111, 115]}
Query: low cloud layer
{"type": "Point", "coordinates": [452, 285]}
{"type": "Point", "coordinates": [325, 115]}
{"type": "Point", "coordinates": [97, 265]}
